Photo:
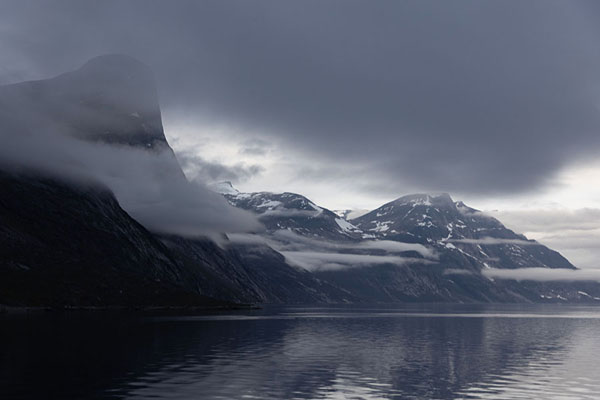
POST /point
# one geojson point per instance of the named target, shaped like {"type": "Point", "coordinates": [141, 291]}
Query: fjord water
{"type": "Point", "coordinates": [408, 352]}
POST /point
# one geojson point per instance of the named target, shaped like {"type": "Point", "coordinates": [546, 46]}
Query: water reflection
{"type": "Point", "coordinates": [447, 353]}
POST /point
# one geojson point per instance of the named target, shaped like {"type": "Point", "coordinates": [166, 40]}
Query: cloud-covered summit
{"type": "Point", "coordinates": [102, 123]}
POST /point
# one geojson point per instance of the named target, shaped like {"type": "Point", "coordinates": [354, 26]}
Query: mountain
{"type": "Point", "coordinates": [73, 236]}
{"type": "Point", "coordinates": [416, 248]}
{"type": "Point", "coordinates": [466, 242]}
{"type": "Point", "coordinates": [479, 240]}
{"type": "Point", "coordinates": [292, 212]}
{"type": "Point", "coordinates": [66, 240]}
{"type": "Point", "coordinates": [64, 244]}
{"type": "Point", "coordinates": [111, 98]}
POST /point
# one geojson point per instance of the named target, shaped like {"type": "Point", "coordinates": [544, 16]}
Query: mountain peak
{"type": "Point", "coordinates": [425, 199]}
{"type": "Point", "coordinates": [116, 64]}
{"type": "Point", "coordinates": [111, 98]}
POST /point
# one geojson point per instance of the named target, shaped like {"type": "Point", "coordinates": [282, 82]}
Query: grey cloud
{"type": "Point", "coordinates": [319, 261]}
{"type": "Point", "coordinates": [399, 247]}
{"type": "Point", "coordinates": [495, 241]}
{"type": "Point", "coordinates": [285, 212]}
{"type": "Point", "coordinates": [323, 255]}
{"type": "Point", "coordinates": [543, 274]}
{"type": "Point", "coordinates": [142, 181]}
{"type": "Point", "coordinates": [292, 241]}
{"type": "Point", "coordinates": [198, 169]}
{"type": "Point", "coordinates": [463, 96]}
{"type": "Point", "coordinates": [256, 147]}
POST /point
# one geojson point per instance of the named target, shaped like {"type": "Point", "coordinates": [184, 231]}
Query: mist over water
{"type": "Point", "coordinates": [412, 352]}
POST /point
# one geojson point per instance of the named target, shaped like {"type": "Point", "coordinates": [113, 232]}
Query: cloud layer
{"type": "Point", "coordinates": [543, 274]}
{"type": "Point", "coordinates": [466, 96]}
{"type": "Point", "coordinates": [322, 255]}
{"type": "Point", "coordinates": [141, 181]}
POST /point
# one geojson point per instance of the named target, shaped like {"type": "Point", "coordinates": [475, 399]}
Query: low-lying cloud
{"type": "Point", "coordinates": [543, 274]}
{"type": "Point", "coordinates": [456, 271]}
{"type": "Point", "coordinates": [321, 255]}
{"type": "Point", "coordinates": [147, 184]}
{"type": "Point", "coordinates": [102, 124]}
{"type": "Point", "coordinates": [495, 241]}
{"type": "Point", "coordinates": [287, 212]}
{"type": "Point", "coordinates": [318, 261]}
{"type": "Point", "coordinates": [290, 240]}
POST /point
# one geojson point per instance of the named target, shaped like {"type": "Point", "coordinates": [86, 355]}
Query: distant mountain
{"type": "Point", "coordinates": [67, 241]}
{"type": "Point", "coordinates": [293, 212]}
{"type": "Point", "coordinates": [456, 243]}
{"type": "Point", "coordinates": [454, 228]}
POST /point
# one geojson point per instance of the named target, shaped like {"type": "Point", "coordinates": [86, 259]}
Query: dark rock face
{"type": "Point", "coordinates": [67, 244]}
{"type": "Point", "coordinates": [251, 274]}
{"type": "Point", "coordinates": [63, 244]}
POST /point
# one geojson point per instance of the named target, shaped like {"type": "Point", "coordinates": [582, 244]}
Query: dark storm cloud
{"type": "Point", "coordinates": [467, 96]}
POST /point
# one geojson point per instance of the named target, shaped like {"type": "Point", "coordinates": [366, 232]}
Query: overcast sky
{"type": "Point", "coordinates": [356, 103]}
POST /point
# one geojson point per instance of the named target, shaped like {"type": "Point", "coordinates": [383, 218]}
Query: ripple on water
{"type": "Point", "coordinates": [419, 353]}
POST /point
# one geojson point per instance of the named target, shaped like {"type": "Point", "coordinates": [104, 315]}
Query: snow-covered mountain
{"type": "Point", "coordinates": [454, 228]}
{"type": "Point", "coordinates": [418, 247]}
{"type": "Point", "coordinates": [292, 212]}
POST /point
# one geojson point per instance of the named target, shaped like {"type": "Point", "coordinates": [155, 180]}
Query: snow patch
{"type": "Point", "coordinates": [345, 225]}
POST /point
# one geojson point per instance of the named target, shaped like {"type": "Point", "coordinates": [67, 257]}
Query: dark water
{"type": "Point", "coordinates": [416, 352]}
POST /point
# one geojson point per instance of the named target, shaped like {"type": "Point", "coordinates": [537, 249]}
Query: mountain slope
{"type": "Point", "coordinates": [293, 212]}
{"type": "Point", "coordinates": [458, 230]}
{"type": "Point", "coordinates": [86, 249]}
{"type": "Point", "coordinates": [416, 248]}
{"type": "Point", "coordinates": [65, 244]}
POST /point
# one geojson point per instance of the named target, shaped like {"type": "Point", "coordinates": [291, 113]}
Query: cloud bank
{"type": "Point", "coordinates": [319, 261]}
{"type": "Point", "coordinates": [140, 180]}
{"type": "Point", "coordinates": [495, 241]}
{"type": "Point", "coordinates": [543, 274]}
{"type": "Point", "coordinates": [322, 255]}
{"type": "Point", "coordinates": [102, 124]}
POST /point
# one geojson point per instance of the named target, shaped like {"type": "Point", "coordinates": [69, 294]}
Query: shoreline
{"type": "Point", "coordinates": [6, 309]}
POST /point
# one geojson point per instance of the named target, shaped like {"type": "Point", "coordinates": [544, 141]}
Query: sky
{"type": "Point", "coordinates": [354, 103]}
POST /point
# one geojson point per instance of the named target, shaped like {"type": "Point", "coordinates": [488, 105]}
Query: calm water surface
{"type": "Point", "coordinates": [409, 352]}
